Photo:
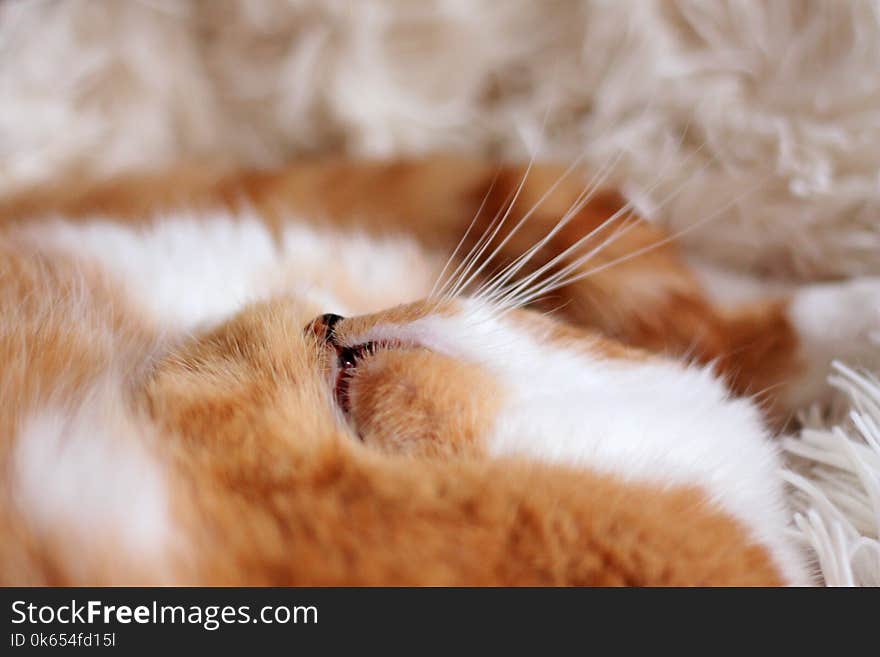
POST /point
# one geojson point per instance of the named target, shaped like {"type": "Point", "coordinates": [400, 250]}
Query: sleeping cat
{"type": "Point", "coordinates": [440, 371]}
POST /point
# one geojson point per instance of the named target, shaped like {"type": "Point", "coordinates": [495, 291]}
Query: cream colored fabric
{"type": "Point", "coordinates": [752, 126]}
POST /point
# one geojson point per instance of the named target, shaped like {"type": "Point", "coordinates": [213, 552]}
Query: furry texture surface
{"type": "Point", "coordinates": [753, 126]}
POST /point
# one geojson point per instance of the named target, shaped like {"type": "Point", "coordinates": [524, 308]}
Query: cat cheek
{"type": "Point", "coordinates": [420, 403]}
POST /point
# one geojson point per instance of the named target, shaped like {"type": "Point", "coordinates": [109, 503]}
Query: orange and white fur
{"type": "Point", "coordinates": [284, 378]}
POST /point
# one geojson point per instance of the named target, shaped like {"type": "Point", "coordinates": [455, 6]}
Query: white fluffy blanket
{"type": "Point", "coordinates": [756, 123]}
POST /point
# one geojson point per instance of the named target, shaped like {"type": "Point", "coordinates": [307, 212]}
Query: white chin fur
{"type": "Point", "coordinates": [656, 421]}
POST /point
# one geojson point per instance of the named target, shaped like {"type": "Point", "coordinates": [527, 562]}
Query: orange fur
{"type": "Point", "coordinates": [652, 301]}
{"type": "Point", "coordinates": [273, 493]}
{"type": "Point", "coordinates": [328, 511]}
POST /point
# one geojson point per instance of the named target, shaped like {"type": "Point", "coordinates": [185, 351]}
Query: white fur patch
{"type": "Point", "coordinates": [86, 473]}
{"type": "Point", "coordinates": [183, 270]}
{"type": "Point", "coordinates": [369, 273]}
{"type": "Point", "coordinates": [655, 421]}
{"type": "Point", "coordinates": [191, 269]}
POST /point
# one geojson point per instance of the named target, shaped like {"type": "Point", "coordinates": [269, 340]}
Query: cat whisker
{"type": "Point", "coordinates": [448, 291]}
{"type": "Point", "coordinates": [467, 232]}
{"type": "Point", "coordinates": [626, 211]}
{"type": "Point", "coordinates": [489, 290]}
{"type": "Point", "coordinates": [510, 270]}
{"type": "Point", "coordinates": [582, 199]}
{"type": "Point", "coordinates": [456, 288]}
{"type": "Point", "coordinates": [461, 284]}
{"type": "Point", "coordinates": [467, 261]}
{"type": "Point", "coordinates": [558, 282]}
{"type": "Point", "coordinates": [466, 277]}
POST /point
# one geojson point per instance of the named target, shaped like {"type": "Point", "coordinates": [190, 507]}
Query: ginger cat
{"type": "Point", "coordinates": [284, 378]}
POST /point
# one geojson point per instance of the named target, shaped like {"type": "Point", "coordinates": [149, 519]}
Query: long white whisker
{"type": "Point", "coordinates": [490, 288]}
{"type": "Point", "coordinates": [607, 168]}
{"type": "Point", "coordinates": [529, 284]}
{"type": "Point", "coordinates": [524, 219]}
{"type": "Point", "coordinates": [464, 282]}
{"type": "Point", "coordinates": [521, 286]}
{"type": "Point", "coordinates": [466, 233]}
{"type": "Point", "coordinates": [468, 261]}
{"type": "Point", "coordinates": [461, 272]}
{"type": "Point", "coordinates": [626, 211]}
{"type": "Point", "coordinates": [545, 288]}
{"type": "Point", "coordinates": [498, 280]}
{"type": "Point", "coordinates": [458, 287]}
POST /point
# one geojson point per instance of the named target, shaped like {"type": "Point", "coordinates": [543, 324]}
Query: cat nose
{"type": "Point", "coordinates": [322, 327]}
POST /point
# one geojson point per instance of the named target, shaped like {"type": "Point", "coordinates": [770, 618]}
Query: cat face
{"type": "Point", "coordinates": [431, 378]}
{"type": "Point", "coordinates": [436, 378]}
{"type": "Point", "coordinates": [398, 381]}
{"type": "Point", "coordinates": [406, 380]}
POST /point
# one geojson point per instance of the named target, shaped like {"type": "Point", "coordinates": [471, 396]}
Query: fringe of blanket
{"type": "Point", "coordinates": [834, 473]}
